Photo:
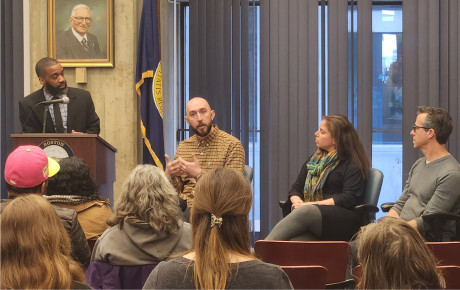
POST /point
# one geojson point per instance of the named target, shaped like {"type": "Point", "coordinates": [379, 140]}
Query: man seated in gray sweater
{"type": "Point", "coordinates": [433, 183]}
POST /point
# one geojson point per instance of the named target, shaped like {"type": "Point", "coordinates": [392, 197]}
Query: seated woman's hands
{"type": "Point", "coordinates": [298, 202]}
{"type": "Point", "coordinates": [297, 205]}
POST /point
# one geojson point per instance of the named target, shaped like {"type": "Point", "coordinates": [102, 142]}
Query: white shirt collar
{"type": "Point", "coordinates": [78, 36]}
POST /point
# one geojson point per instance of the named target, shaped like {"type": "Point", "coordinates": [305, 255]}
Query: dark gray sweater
{"type": "Point", "coordinates": [178, 274]}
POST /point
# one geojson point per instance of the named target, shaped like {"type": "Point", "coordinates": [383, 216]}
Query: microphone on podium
{"type": "Point", "coordinates": [64, 100]}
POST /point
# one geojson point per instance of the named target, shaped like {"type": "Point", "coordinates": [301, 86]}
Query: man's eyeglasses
{"type": "Point", "coordinates": [415, 127]}
{"type": "Point", "coordinates": [80, 19]}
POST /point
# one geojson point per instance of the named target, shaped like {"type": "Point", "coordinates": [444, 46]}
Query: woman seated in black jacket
{"type": "Point", "coordinates": [329, 185]}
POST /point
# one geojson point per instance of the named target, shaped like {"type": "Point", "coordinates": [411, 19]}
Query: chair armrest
{"type": "Point", "coordinates": [386, 206]}
{"type": "Point", "coordinates": [441, 215]}
{"type": "Point", "coordinates": [366, 207]}
{"type": "Point", "coordinates": [366, 213]}
{"type": "Point", "coordinates": [347, 284]}
{"type": "Point", "coordinates": [286, 207]}
{"type": "Point", "coordinates": [436, 221]}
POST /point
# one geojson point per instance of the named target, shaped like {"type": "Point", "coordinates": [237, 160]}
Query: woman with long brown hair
{"type": "Point", "coordinates": [393, 255]}
{"type": "Point", "coordinates": [329, 185]}
{"type": "Point", "coordinates": [35, 248]}
{"type": "Point", "coordinates": [220, 257]}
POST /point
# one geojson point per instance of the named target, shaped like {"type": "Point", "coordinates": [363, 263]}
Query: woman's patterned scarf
{"type": "Point", "coordinates": [319, 167]}
{"type": "Point", "coordinates": [74, 199]}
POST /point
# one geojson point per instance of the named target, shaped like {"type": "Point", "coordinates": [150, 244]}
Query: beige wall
{"type": "Point", "coordinates": [112, 89]}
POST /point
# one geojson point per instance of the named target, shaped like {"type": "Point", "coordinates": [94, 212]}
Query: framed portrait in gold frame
{"type": "Point", "coordinates": [80, 32]}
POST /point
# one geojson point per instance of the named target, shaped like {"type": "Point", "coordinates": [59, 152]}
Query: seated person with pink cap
{"type": "Point", "coordinates": [27, 169]}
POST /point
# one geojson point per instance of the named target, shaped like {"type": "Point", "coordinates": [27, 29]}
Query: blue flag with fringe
{"type": "Point", "coordinates": [148, 85]}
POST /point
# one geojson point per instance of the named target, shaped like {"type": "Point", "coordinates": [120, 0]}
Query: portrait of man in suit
{"type": "Point", "coordinates": [77, 42]}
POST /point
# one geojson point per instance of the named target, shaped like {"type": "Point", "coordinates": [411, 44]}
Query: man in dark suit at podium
{"type": "Point", "coordinates": [73, 113]}
{"type": "Point", "coordinates": [76, 42]}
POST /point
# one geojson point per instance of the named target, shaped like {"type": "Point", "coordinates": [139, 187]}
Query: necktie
{"type": "Point", "coordinates": [85, 44]}
{"type": "Point", "coordinates": [57, 117]}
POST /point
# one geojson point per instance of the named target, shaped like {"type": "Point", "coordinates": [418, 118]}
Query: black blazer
{"type": "Point", "coordinates": [68, 47]}
{"type": "Point", "coordinates": [81, 115]}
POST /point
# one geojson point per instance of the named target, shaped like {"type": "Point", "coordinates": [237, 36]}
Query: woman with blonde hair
{"type": "Point", "coordinates": [393, 255]}
{"type": "Point", "coordinates": [329, 185]}
{"type": "Point", "coordinates": [220, 257]}
{"type": "Point", "coordinates": [35, 248]}
{"type": "Point", "coordinates": [147, 227]}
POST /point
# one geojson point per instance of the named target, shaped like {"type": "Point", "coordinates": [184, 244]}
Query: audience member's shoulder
{"type": "Point", "coordinates": [109, 232]}
{"type": "Point", "coordinates": [261, 266]}
{"type": "Point", "coordinates": [186, 227]}
{"type": "Point", "coordinates": [273, 276]}
{"type": "Point", "coordinates": [187, 232]}
{"type": "Point", "coordinates": [65, 213]}
{"type": "Point", "coordinates": [160, 277]}
{"type": "Point", "coordinates": [173, 264]}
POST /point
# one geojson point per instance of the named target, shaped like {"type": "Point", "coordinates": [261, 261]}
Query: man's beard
{"type": "Point", "coordinates": [56, 91]}
{"type": "Point", "coordinates": [206, 132]}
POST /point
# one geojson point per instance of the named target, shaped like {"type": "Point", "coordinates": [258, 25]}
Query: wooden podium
{"type": "Point", "coordinates": [97, 153]}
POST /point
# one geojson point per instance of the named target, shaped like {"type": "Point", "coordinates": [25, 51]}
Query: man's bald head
{"type": "Point", "coordinates": [197, 102]}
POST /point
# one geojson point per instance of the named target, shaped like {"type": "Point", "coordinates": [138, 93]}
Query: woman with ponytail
{"type": "Point", "coordinates": [220, 257]}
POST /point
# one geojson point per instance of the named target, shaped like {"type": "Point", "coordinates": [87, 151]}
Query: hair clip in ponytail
{"type": "Point", "coordinates": [216, 221]}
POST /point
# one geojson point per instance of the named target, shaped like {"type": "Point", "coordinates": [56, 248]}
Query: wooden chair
{"type": "Point", "coordinates": [333, 255]}
{"type": "Point", "coordinates": [306, 277]}
{"type": "Point", "coordinates": [452, 276]}
{"type": "Point", "coordinates": [448, 253]}
{"type": "Point", "coordinates": [357, 273]}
